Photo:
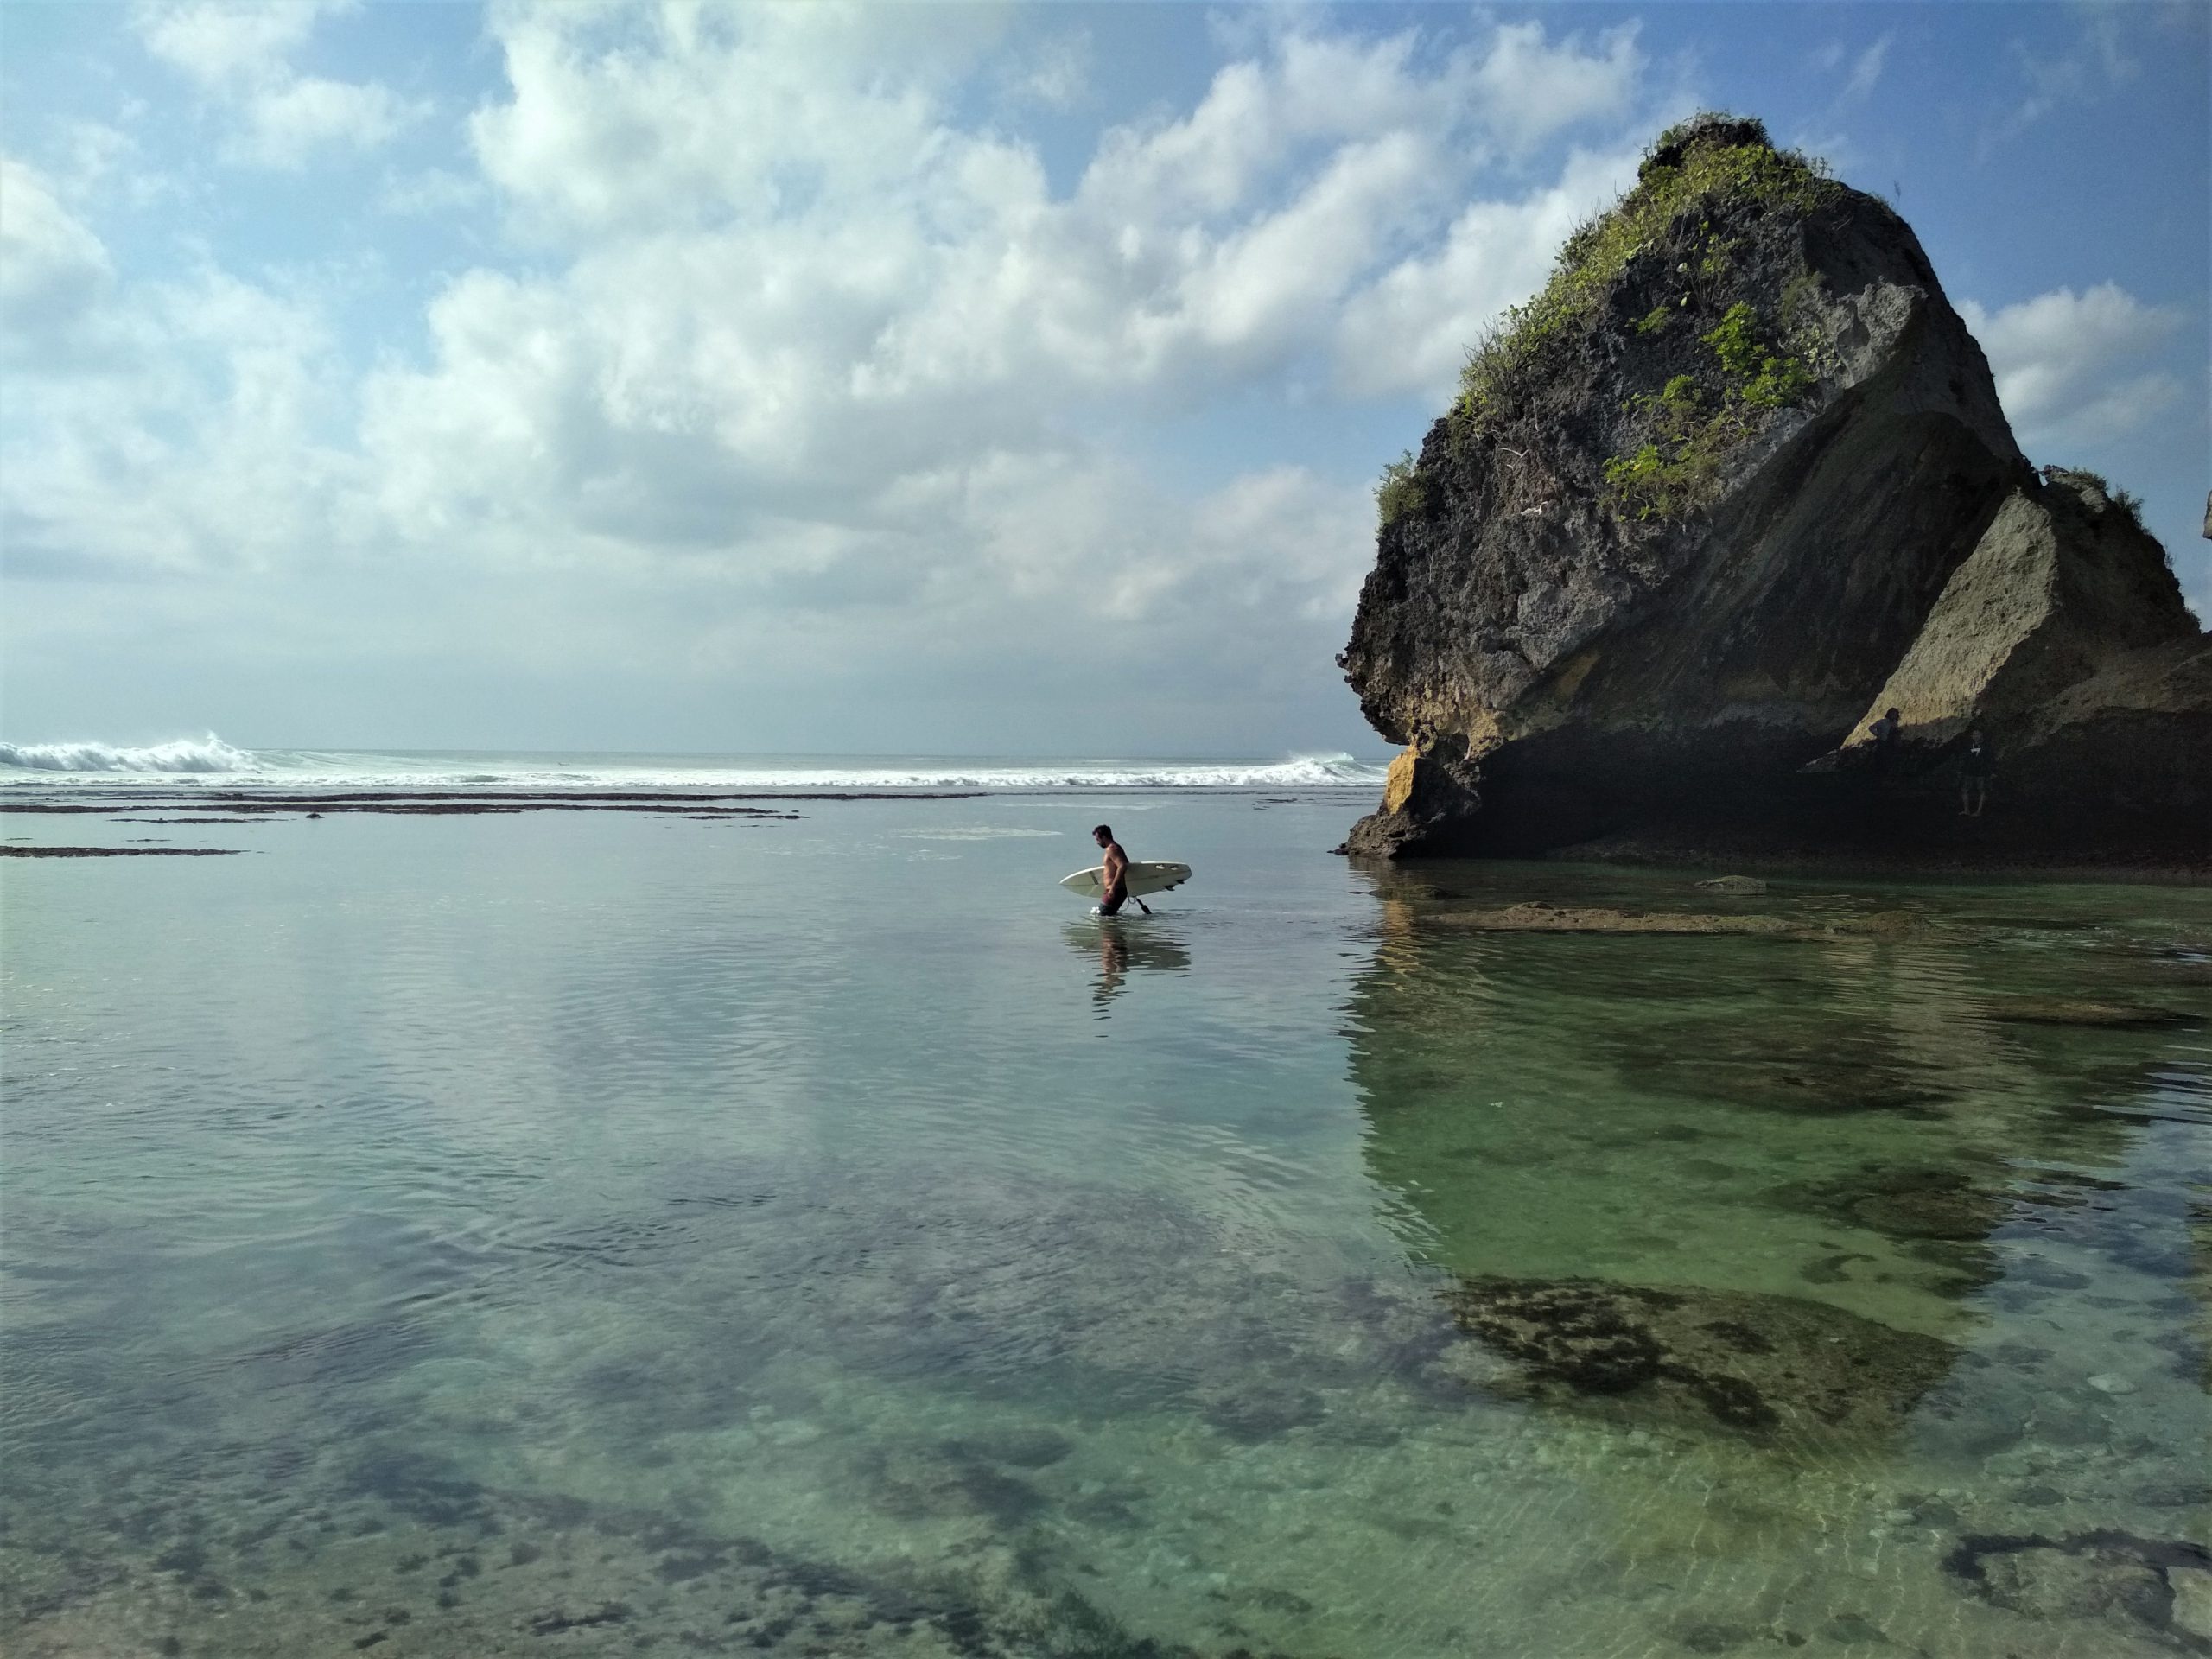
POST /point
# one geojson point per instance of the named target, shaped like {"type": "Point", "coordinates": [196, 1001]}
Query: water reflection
{"type": "Point", "coordinates": [1123, 945]}
{"type": "Point", "coordinates": [1752, 1183]}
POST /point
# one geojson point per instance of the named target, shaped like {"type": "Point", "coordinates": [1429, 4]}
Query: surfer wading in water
{"type": "Point", "coordinates": [1114, 877]}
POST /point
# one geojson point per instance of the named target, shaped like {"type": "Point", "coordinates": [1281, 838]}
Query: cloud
{"type": "Point", "coordinates": [2097, 64]}
{"type": "Point", "coordinates": [1055, 72]}
{"type": "Point", "coordinates": [813, 373]}
{"type": "Point", "coordinates": [156, 428]}
{"type": "Point", "coordinates": [54, 274]}
{"type": "Point", "coordinates": [2068, 365]}
{"type": "Point", "coordinates": [287, 122]}
{"type": "Point", "coordinates": [1866, 71]}
{"type": "Point", "coordinates": [216, 42]}
{"type": "Point", "coordinates": [1529, 89]}
{"type": "Point", "coordinates": [1409, 329]}
{"type": "Point", "coordinates": [240, 54]}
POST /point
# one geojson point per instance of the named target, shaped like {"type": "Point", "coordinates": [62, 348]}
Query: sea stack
{"type": "Point", "coordinates": [1733, 483]}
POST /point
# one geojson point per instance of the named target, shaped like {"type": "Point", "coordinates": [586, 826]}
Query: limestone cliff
{"type": "Point", "coordinates": [1738, 469]}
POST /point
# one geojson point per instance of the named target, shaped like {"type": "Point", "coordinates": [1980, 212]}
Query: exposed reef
{"type": "Point", "coordinates": [115, 852]}
{"type": "Point", "coordinates": [1733, 484]}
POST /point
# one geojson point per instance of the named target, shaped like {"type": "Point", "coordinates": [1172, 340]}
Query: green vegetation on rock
{"type": "Point", "coordinates": [2127, 500]}
{"type": "Point", "coordinates": [1400, 492]}
{"type": "Point", "coordinates": [1675, 470]}
{"type": "Point", "coordinates": [1722, 164]}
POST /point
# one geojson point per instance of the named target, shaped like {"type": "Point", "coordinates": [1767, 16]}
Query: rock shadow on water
{"type": "Point", "coordinates": [1911, 1204]}
{"type": "Point", "coordinates": [1761, 1365]}
{"type": "Point", "coordinates": [1797, 1067]}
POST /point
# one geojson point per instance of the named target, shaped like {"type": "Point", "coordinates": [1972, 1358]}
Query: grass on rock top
{"type": "Point", "coordinates": [1712, 170]}
{"type": "Point", "coordinates": [1712, 161]}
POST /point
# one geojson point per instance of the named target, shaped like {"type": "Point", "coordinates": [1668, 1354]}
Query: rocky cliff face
{"type": "Point", "coordinates": [1736, 477]}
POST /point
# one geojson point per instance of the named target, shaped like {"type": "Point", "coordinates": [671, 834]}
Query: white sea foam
{"type": "Point", "coordinates": [977, 832]}
{"type": "Point", "coordinates": [213, 763]}
{"type": "Point", "coordinates": [185, 755]}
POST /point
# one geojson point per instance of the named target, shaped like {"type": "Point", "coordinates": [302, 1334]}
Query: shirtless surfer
{"type": "Point", "coordinates": [1114, 876]}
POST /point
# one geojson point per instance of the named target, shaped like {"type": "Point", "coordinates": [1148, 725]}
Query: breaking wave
{"type": "Point", "coordinates": [184, 754]}
{"type": "Point", "coordinates": [211, 761]}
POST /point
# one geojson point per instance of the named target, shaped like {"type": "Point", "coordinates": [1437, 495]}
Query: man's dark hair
{"type": "Point", "coordinates": [1892, 715]}
{"type": "Point", "coordinates": [1105, 829]}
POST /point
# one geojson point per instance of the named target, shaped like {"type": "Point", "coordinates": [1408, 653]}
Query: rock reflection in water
{"type": "Point", "coordinates": [1889, 1238]}
{"type": "Point", "coordinates": [1761, 1133]}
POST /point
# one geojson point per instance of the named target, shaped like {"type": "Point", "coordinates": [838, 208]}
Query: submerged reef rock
{"type": "Point", "coordinates": [1757, 1364]}
{"type": "Point", "coordinates": [1536, 915]}
{"type": "Point", "coordinates": [1735, 481]}
{"type": "Point", "coordinates": [2156, 1582]}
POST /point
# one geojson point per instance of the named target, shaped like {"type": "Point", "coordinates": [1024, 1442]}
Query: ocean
{"type": "Point", "coordinates": [742, 1206]}
{"type": "Point", "coordinates": [211, 763]}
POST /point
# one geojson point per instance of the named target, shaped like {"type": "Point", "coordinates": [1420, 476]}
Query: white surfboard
{"type": "Point", "coordinates": [1090, 884]}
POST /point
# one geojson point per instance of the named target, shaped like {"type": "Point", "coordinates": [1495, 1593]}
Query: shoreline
{"type": "Point", "coordinates": [2149, 868]}
{"type": "Point", "coordinates": [1884, 840]}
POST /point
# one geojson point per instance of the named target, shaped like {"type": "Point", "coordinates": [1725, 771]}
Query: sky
{"type": "Point", "coordinates": [924, 379]}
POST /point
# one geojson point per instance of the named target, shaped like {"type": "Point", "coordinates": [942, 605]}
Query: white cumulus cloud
{"type": "Point", "coordinates": [239, 53]}
{"type": "Point", "coordinates": [1409, 329]}
{"type": "Point", "coordinates": [53, 272]}
{"type": "Point", "coordinates": [2070, 366]}
{"type": "Point", "coordinates": [815, 372]}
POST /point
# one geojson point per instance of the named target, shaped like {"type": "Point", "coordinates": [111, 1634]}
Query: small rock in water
{"type": "Point", "coordinates": [1734, 884]}
{"type": "Point", "coordinates": [2079, 1010]}
{"type": "Point", "coordinates": [2109, 1384]}
{"type": "Point", "coordinates": [2192, 1588]}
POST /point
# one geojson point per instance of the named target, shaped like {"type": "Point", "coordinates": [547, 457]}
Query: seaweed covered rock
{"type": "Point", "coordinates": [1756, 1363]}
{"type": "Point", "coordinates": [1690, 512]}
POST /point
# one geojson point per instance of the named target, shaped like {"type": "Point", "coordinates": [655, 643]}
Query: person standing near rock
{"type": "Point", "coordinates": [1976, 767]}
{"type": "Point", "coordinates": [1884, 733]}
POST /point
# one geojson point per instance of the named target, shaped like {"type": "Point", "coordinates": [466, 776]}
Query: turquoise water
{"type": "Point", "coordinates": [604, 1233]}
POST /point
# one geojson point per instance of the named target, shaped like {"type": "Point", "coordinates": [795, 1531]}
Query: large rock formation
{"type": "Point", "coordinates": [1735, 480]}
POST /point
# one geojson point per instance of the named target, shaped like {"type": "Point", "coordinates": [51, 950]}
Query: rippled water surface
{"type": "Point", "coordinates": [607, 1233]}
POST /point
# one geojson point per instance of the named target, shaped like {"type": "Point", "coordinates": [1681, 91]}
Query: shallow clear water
{"type": "Point", "coordinates": [594, 1233]}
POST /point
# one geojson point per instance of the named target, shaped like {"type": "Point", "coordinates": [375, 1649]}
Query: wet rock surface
{"type": "Point", "coordinates": [2082, 1011]}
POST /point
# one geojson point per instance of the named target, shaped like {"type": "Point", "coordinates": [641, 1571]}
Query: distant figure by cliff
{"type": "Point", "coordinates": [1976, 767]}
{"type": "Point", "coordinates": [1884, 733]}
